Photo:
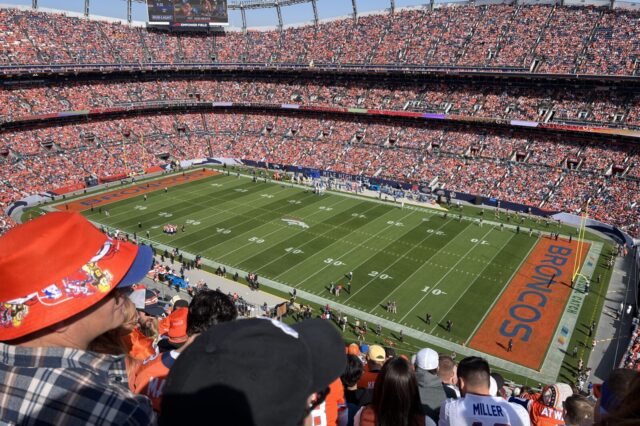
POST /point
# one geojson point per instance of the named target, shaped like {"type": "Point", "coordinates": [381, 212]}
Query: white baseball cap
{"type": "Point", "coordinates": [427, 359]}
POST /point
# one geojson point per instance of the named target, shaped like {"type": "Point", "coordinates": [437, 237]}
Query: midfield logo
{"type": "Point", "coordinates": [295, 222]}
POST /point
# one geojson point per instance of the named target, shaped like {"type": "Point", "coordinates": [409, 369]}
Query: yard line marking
{"type": "Point", "coordinates": [490, 262]}
{"type": "Point", "coordinates": [222, 212]}
{"type": "Point", "coordinates": [448, 272]}
{"type": "Point", "coordinates": [357, 246]}
{"type": "Point", "coordinates": [278, 229]}
{"type": "Point", "coordinates": [313, 239]}
{"type": "Point", "coordinates": [189, 207]}
{"type": "Point", "coordinates": [420, 267]}
{"type": "Point", "coordinates": [159, 199]}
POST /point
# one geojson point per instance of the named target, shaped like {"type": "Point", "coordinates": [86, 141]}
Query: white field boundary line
{"type": "Point", "coordinates": [504, 287]}
{"type": "Point", "coordinates": [425, 208]}
{"type": "Point", "coordinates": [333, 227]}
{"type": "Point", "coordinates": [397, 287]}
{"type": "Point", "coordinates": [279, 228]}
{"type": "Point", "coordinates": [475, 279]}
{"type": "Point", "coordinates": [473, 246]}
{"type": "Point", "coordinates": [399, 258]}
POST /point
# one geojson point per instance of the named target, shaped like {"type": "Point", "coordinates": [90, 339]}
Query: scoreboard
{"type": "Point", "coordinates": [188, 13]}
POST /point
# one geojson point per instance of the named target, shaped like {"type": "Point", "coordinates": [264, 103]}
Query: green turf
{"type": "Point", "coordinates": [423, 261]}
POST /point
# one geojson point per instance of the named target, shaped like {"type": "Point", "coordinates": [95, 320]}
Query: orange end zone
{"type": "Point", "coordinates": [133, 191]}
{"type": "Point", "coordinates": [531, 306]}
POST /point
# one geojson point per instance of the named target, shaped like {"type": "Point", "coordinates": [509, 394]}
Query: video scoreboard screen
{"type": "Point", "coordinates": [188, 13]}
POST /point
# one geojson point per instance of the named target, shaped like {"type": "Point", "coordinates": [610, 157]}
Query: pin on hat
{"type": "Point", "coordinates": [57, 266]}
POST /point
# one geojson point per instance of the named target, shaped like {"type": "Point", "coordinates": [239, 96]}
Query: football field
{"type": "Point", "coordinates": [422, 260]}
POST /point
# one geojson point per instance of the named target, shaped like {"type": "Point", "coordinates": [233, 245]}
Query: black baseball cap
{"type": "Point", "coordinates": [253, 372]}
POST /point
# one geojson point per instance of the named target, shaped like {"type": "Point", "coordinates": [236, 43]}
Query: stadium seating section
{"type": "Point", "coordinates": [548, 171]}
{"type": "Point", "coordinates": [562, 40]}
{"type": "Point", "coordinates": [529, 169]}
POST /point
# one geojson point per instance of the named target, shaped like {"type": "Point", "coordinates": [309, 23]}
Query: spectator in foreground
{"type": "Point", "coordinates": [396, 399]}
{"type": "Point", "coordinates": [432, 392]}
{"type": "Point", "coordinates": [254, 372]}
{"type": "Point", "coordinates": [207, 308]}
{"type": "Point", "coordinates": [353, 395]}
{"type": "Point", "coordinates": [578, 411]}
{"type": "Point", "coordinates": [447, 371]}
{"type": "Point", "coordinates": [612, 391]}
{"type": "Point", "coordinates": [545, 409]}
{"type": "Point", "coordinates": [627, 411]}
{"type": "Point", "coordinates": [477, 405]}
{"type": "Point", "coordinates": [376, 357]}
{"type": "Point", "coordinates": [62, 284]}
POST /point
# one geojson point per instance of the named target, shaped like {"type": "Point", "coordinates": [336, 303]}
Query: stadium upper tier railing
{"type": "Point", "coordinates": [13, 70]}
{"type": "Point", "coordinates": [541, 39]}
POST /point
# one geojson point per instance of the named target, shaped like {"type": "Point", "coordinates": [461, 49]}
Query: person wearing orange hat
{"type": "Point", "coordinates": [176, 333]}
{"type": "Point", "coordinates": [62, 284]}
{"type": "Point", "coordinates": [207, 308]}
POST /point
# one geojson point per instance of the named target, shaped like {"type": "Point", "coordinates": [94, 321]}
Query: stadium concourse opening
{"type": "Point", "coordinates": [132, 191]}
{"type": "Point", "coordinates": [532, 304]}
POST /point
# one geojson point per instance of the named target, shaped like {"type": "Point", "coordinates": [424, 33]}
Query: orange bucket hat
{"type": "Point", "coordinates": [57, 266]}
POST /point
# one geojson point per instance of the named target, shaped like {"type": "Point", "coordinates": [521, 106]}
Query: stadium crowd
{"type": "Point", "coordinates": [556, 174]}
{"type": "Point", "coordinates": [84, 343]}
{"type": "Point", "coordinates": [498, 36]}
{"type": "Point", "coordinates": [631, 358]}
{"type": "Point", "coordinates": [108, 352]}
{"type": "Point", "coordinates": [483, 100]}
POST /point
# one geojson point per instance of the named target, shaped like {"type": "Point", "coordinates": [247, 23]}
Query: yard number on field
{"type": "Point", "coordinates": [293, 250]}
{"type": "Point", "coordinates": [140, 208]}
{"type": "Point", "coordinates": [256, 240]}
{"type": "Point", "coordinates": [358, 215]}
{"type": "Point", "coordinates": [295, 202]}
{"type": "Point", "coordinates": [328, 209]}
{"type": "Point", "coordinates": [165, 214]}
{"type": "Point", "coordinates": [216, 184]}
{"type": "Point", "coordinates": [334, 262]}
{"type": "Point", "coordinates": [241, 190]}
{"type": "Point", "coordinates": [377, 274]}
{"type": "Point", "coordinates": [433, 231]}
{"type": "Point", "coordinates": [435, 291]}
{"type": "Point", "coordinates": [391, 222]}
{"type": "Point", "coordinates": [192, 222]}
{"type": "Point", "coordinates": [223, 231]}
{"type": "Point", "coordinates": [481, 242]}
{"type": "Point", "coordinates": [267, 196]}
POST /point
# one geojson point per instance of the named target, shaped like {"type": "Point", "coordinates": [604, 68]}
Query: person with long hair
{"type": "Point", "coordinates": [118, 341]}
{"type": "Point", "coordinates": [114, 342]}
{"type": "Point", "coordinates": [396, 399]}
